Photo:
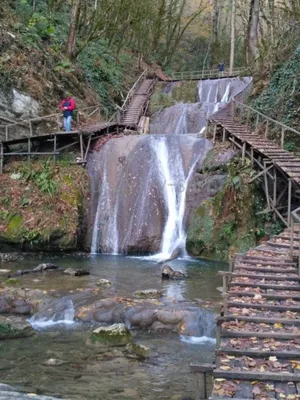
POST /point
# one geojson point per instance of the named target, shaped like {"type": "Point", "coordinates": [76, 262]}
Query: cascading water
{"type": "Point", "coordinates": [140, 183]}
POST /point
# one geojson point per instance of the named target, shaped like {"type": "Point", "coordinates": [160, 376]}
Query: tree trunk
{"type": "Point", "coordinates": [75, 12]}
{"type": "Point", "coordinates": [253, 30]}
{"type": "Point", "coordinates": [232, 43]}
{"type": "Point", "coordinates": [215, 25]}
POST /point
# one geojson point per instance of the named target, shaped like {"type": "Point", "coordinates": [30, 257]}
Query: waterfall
{"type": "Point", "coordinates": [140, 183]}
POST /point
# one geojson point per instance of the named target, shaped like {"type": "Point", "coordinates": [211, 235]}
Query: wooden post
{"type": "Point", "coordinates": [6, 133]}
{"type": "Point", "coordinates": [1, 158]}
{"type": "Point", "coordinates": [30, 127]}
{"type": "Point", "coordinates": [224, 134]}
{"type": "Point", "coordinates": [257, 120]}
{"type": "Point", "coordinates": [267, 129]}
{"type": "Point", "coordinates": [81, 146]}
{"type": "Point", "coordinates": [252, 156]}
{"type": "Point", "coordinates": [248, 116]}
{"type": "Point", "coordinates": [29, 150]}
{"type": "Point", "coordinates": [54, 149]}
{"type": "Point", "coordinates": [231, 261]}
{"type": "Point", "coordinates": [215, 132]}
{"type": "Point", "coordinates": [225, 301]}
{"type": "Point", "coordinates": [218, 336]}
{"type": "Point", "coordinates": [224, 284]}
{"type": "Point", "coordinates": [243, 153]}
{"type": "Point", "coordinates": [289, 201]}
{"type": "Point", "coordinates": [292, 240]}
{"type": "Point", "coordinates": [266, 185]}
{"type": "Point", "coordinates": [274, 191]}
{"type": "Point", "coordinates": [282, 137]}
{"type": "Point", "coordinates": [299, 260]}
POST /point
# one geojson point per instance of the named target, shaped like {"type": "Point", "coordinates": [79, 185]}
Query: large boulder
{"type": "Point", "coordinates": [114, 335]}
{"type": "Point", "coordinates": [14, 327]}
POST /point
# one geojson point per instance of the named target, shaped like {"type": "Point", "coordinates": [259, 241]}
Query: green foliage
{"type": "Point", "coordinates": [280, 99]}
{"type": "Point", "coordinates": [44, 178]}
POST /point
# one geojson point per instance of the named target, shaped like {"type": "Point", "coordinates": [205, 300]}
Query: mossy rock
{"type": "Point", "coordinates": [14, 327]}
{"type": "Point", "coordinates": [12, 282]}
{"type": "Point", "coordinates": [139, 350]}
{"type": "Point", "coordinates": [114, 335]}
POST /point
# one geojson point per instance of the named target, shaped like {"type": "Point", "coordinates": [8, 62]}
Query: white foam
{"type": "Point", "coordinates": [197, 340]}
{"type": "Point", "coordinates": [44, 324]}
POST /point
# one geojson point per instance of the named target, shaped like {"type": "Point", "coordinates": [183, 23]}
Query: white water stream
{"type": "Point", "coordinates": [156, 176]}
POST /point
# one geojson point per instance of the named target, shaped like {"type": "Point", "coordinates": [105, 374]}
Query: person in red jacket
{"type": "Point", "coordinates": [67, 106]}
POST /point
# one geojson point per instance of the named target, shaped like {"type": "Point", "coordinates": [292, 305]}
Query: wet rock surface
{"type": "Point", "coordinates": [76, 272]}
{"type": "Point", "coordinates": [148, 293]}
{"type": "Point", "coordinates": [168, 273]}
{"type": "Point", "coordinates": [9, 393]}
{"type": "Point", "coordinates": [114, 335]}
{"type": "Point", "coordinates": [14, 327]}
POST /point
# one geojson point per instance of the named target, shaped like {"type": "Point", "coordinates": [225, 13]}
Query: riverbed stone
{"type": "Point", "coordinates": [75, 272]}
{"type": "Point", "coordinates": [148, 293]}
{"type": "Point", "coordinates": [45, 267]}
{"type": "Point", "coordinates": [104, 282]}
{"type": "Point", "coordinates": [139, 350]}
{"type": "Point", "coordinates": [14, 327]}
{"type": "Point", "coordinates": [53, 362]}
{"type": "Point", "coordinates": [168, 273]}
{"type": "Point", "coordinates": [114, 335]}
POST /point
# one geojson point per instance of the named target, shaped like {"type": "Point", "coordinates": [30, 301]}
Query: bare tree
{"type": "Point", "coordinates": [253, 29]}
{"type": "Point", "coordinates": [232, 42]}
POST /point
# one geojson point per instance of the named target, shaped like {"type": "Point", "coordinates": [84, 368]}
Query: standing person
{"type": "Point", "coordinates": [221, 68]}
{"type": "Point", "coordinates": [67, 106]}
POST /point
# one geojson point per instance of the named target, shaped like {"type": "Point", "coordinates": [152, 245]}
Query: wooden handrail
{"type": "Point", "coordinates": [131, 91]}
{"type": "Point", "coordinates": [26, 121]}
{"type": "Point", "coordinates": [189, 75]}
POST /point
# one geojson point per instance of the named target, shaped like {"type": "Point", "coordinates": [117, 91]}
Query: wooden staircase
{"type": "Point", "coordinates": [138, 104]}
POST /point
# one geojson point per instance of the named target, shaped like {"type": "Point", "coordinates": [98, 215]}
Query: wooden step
{"type": "Point", "coordinates": [262, 320]}
{"type": "Point", "coordinates": [261, 335]}
{"type": "Point", "coordinates": [265, 295]}
{"type": "Point", "coordinates": [257, 375]}
{"type": "Point", "coordinates": [268, 259]}
{"type": "Point", "coordinates": [265, 306]}
{"type": "Point", "coordinates": [258, 353]}
{"type": "Point", "coordinates": [262, 269]}
{"type": "Point", "coordinates": [290, 277]}
{"type": "Point", "coordinates": [264, 285]}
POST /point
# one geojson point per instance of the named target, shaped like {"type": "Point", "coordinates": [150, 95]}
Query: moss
{"type": "Point", "coordinates": [12, 282]}
{"type": "Point", "coordinates": [56, 220]}
{"type": "Point", "coordinates": [160, 101]}
{"type": "Point", "coordinates": [15, 221]}
{"type": "Point", "coordinates": [185, 92]}
{"type": "Point", "coordinates": [226, 223]}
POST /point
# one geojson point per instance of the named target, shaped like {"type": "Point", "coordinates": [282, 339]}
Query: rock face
{"type": "Point", "coordinates": [222, 208]}
{"type": "Point", "coordinates": [168, 273]}
{"type": "Point", "coordinates": [14, 327]}
{"type": "Point", "coordinates": [114, 335]}
{"type": "Point", "coordinates": [17, 106]}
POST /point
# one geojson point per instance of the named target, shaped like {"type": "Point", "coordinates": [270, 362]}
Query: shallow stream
{"type": "Point", "coordinates": [87, 372]}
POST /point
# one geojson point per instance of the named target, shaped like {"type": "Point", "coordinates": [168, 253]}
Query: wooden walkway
{"type": "Point", "coordinates": [278, 169]}
{"type": "Point", "coordinates": [258, 340]}
{"type": "Point", "coordinates": [138, 104]}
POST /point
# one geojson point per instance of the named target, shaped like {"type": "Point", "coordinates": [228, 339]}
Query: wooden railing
{"type": "Point", "coordinates": [295, 219]}
{"type": "Point", "coordinates": [205, 74]}
{"type": "Point", "coordinates": [260, 123]}
{"type": "Point", "coordinates": [131, 92]}
{"type": "Point", "coordinates": [83, 115]}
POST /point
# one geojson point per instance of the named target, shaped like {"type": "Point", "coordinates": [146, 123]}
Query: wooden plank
{"type": "Point", "coordinates": [266, 295]}
{"type": "Point", "coordinates": [196, 367]}
{"type": "Point", "coordinates": [259, 353]}
{"type": "Point", "coordinates": [262, 335]}
{"type": "Point", "coordinates": [261, 276]}
{"type": "Point", "coordinates": [257, 375]}
{"type": "Point", "coordinates": [261, 320]}
{"type": "Point", "coordinates": [270, 270]}
{"type": "Point", "coordinates": [264, 306]}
